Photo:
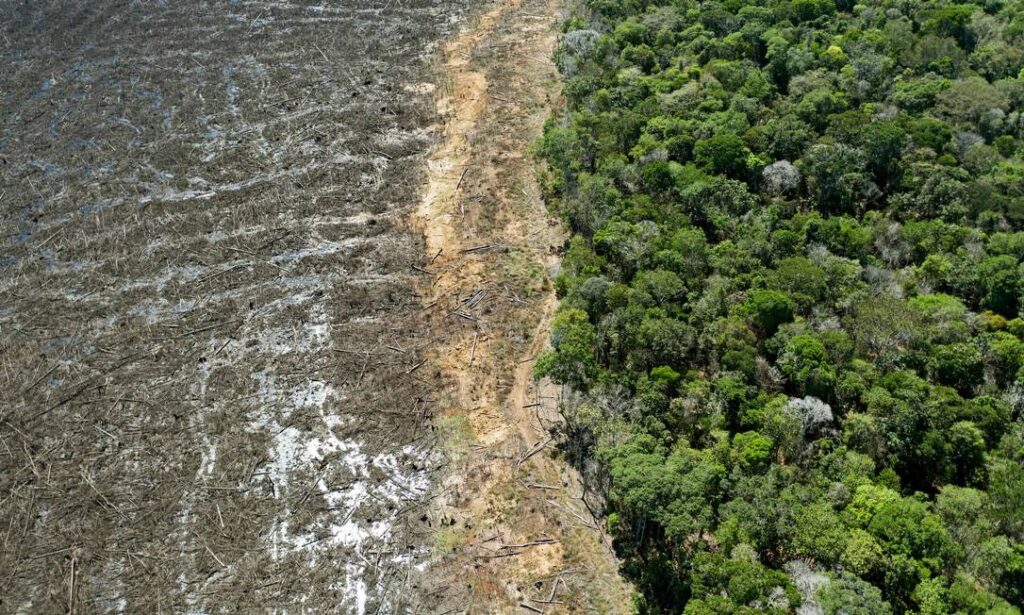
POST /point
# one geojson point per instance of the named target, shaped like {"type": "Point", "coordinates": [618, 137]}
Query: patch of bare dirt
{"type": "Point", "coordinates": [510, 528]}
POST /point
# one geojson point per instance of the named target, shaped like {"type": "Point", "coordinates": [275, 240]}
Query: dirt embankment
{"type": "Point", "coordinates": [511, 532]}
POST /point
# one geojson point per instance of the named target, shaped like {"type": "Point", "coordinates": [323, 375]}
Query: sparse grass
{"type": "Point", "coordinates": [455, 432]}
{"type": "Point", "coordinates": [523, 273]}
{"type": "Point", "coordinates": [448, 540]}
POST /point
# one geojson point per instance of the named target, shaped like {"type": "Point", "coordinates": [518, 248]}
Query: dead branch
{"type": "Point", "coordinates": [542, 541]}
{"type": "Point", "coordinates": [480, 248]}
{"type": "Point", "coordinates": [461, 177]}
{"type": "Point", "coordinates": [533, 451]}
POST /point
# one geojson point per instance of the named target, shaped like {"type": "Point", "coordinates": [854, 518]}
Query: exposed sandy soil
{"type": "Point", "coordinates": [511, 531]}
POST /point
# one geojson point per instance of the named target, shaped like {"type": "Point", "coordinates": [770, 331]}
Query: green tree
{"type": "Point", "coordinates": [836, 177]}
{"type": "Point", "coordinates": [724, 154]}
{"type": "Point", "coordinates": [767, 310]}
{"type": "Point", "coordinates": [851, 595]}
{"type": "Point", "coordinates": [819, 534]}
{"type": "Point", "coordinates": [806, 362]}
{"type": "Point", "coordinates": [966, 454]}
{"type": "Point", "coordinates": [862, 554]}
{"type": "Point", "coordinates": [867, 502]}
{"type": "Point", "coordinates": [723, 585]}
{"type": "Point", "coordinates": [752, 450]}
{"type": "Point", "coordinates": [791, 302]}
{"type": "Point", "coordinates": [906, 527]}
{"type": "Point", "coordinates": [919, 94]}
{"type": "Point", "coordinates": [960, 366]}
{"type": "Point", "coordinates": [1000, 284]}
{"type": "Point", "coordinates": [964, 511]}
{"type": "Point", "coordinates": [801, 280]}
{"type": "Point", "coordinates": [571, 360]}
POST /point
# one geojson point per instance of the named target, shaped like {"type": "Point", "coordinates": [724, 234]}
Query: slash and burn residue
{"type": "Point", "coordinates": [207, 314]}
{"type": "Point", "coordinates": [212, 388]}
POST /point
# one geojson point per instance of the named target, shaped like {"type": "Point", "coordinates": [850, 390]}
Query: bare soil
{"type": "Point", "coordinates": [512, 532]}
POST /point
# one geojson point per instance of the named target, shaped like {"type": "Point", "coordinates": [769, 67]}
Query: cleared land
{"type": "Point", "coordinates": [513, 530]}
{"type": "Point", "coordinates": [210, 337]}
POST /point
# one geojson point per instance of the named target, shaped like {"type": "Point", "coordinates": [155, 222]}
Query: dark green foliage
{"type": "Point", "coordinates": [723, 154]}
{"type": "Point", "coordinates": [727, 585]}
{"type": "Point", "coordinates": [793, 299]}
{"type": "Point", "coordinates": [572, 359]}
{"type": "Point", "coordinates": [768, 309]}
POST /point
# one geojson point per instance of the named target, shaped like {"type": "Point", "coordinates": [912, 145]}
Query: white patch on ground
{"type": "Point", "coordinates": [385, 481]}
{"type": "Point", "coordinates": [320, 249]}
{"type": "Point", "coordinates": [355, 588]}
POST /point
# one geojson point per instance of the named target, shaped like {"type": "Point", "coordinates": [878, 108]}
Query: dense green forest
{"type": "Point", "coordinates": [791, 301]}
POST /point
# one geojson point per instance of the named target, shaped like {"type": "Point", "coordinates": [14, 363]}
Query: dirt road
{"type": "Point", "coordinates": [512, 533]}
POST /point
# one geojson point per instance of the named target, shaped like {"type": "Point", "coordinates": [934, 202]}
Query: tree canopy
{"type": "Point", "coordinates": [792, 302]}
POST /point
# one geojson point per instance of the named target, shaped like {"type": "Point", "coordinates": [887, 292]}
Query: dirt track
{"type": "Point", "coordinates": [512, 532]}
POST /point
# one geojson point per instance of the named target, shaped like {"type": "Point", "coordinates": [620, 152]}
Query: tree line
{"type": "Point", "coordinates": [791, 303]}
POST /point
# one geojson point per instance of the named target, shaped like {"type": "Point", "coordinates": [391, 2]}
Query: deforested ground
{"type": "Point", "coordinates": [211, 392]}
{"type": "Point", "coordinates": [514, 529]}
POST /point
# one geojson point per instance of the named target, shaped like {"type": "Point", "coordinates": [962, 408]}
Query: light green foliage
{"type": "Point", "coordinates": [867, 502]}
{"type": "Point", "coordinates": [965, 511]}
{"type": "Point", "coordinates": [752, 450]}
{"type": "Point", "coordinates": [820, 535]}
{"type": "Point", "coordinates": [930, 596]}
{"type": "Point", "coordinates": [863, 554]}
{"type": "Point", "coordinates": [919, 93]}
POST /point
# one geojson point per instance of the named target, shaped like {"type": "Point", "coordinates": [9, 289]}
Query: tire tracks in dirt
{"type": "Point", "coordinates": [511, 532]}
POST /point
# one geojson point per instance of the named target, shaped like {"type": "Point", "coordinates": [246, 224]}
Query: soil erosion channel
{"type": "Point", "coordinates": [511, 531]}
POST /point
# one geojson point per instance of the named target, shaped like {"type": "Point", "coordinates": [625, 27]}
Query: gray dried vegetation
{"type": "Point", "coordinates": [208, 325]}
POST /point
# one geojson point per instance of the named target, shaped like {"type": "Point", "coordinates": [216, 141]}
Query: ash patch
{"type": "Point", "coordinates": [208, 329]}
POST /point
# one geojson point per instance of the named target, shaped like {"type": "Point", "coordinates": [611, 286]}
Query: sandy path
{"type": "Point", "coordinates": [511, 532]}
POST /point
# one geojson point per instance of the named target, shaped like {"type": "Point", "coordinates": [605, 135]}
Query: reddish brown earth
{"type": "Point", "coordinates": [512, 531]}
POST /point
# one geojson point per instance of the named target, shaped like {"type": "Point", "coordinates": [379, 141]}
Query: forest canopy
{"type": "Point", "coordinates": [791, 302]}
